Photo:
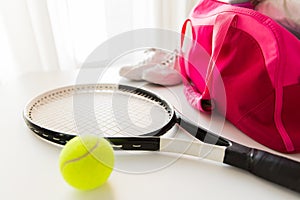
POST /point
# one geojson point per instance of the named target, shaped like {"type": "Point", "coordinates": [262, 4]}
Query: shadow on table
{"type": "Point", "coordinates": [104, 192]}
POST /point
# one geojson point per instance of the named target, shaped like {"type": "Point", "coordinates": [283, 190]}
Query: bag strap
{"type": "Point", "coordinates": [221, 27]}
{"type": "Point", "coordinates": [220, 31]}
{"type": "Point", "coordinates": [278, 110]}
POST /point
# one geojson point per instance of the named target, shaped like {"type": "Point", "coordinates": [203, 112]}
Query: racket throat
{"type": "Point", "coordinates": [201, 133]}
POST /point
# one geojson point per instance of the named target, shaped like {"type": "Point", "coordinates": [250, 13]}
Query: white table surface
{"type": "Point", "coordinates": [29, 166]}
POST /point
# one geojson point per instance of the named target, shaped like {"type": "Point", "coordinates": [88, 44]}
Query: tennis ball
{"type": "Point", "coordinates": [86, 162]}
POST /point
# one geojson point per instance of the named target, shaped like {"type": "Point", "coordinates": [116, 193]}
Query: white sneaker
{"type": "Point", "coordinates": [158, 68]}
{"type": "Point", "coordinates": [162, 75]}
{"type": "Point", "coordinates": [152, 57]}
{"type": "Point", "coordinates": [165, 72]}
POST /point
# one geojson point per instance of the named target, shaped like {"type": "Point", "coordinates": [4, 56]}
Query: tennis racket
{"type": "Point", "coordinates": [133, 119]}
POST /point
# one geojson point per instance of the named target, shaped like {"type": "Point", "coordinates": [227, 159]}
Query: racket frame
{"type": "Point", "coordinates": [61, 138]}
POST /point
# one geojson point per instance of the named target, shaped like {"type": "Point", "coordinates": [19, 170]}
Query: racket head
{"type": "Point", "coordinates": [108, 110]}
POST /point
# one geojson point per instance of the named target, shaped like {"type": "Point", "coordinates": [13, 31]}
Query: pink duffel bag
{"type": "Point", "coordinates": [258, 62]}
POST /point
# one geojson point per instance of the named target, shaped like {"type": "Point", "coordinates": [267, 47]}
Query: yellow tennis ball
{"type": "Point", "coordinates": [86, 162]}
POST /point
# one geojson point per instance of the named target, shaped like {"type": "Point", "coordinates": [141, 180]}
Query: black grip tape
{"type": "Point", "coordinates": [276, 169]}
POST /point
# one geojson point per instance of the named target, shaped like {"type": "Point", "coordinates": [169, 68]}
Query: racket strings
{"type": "Point", "coordinates": [56, 114]}
{"type": "Point", "coordinates": [127, 114]}
{"type": "Point", "coordinates": [99, 110]}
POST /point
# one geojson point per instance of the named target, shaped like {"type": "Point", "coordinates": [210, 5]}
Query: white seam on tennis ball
{"type": "Point", "coordinates": [81, 157]}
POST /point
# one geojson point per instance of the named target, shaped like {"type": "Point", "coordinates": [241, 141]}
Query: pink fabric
{"type": "Point", "coordinates": [258, 61]}
{"type": "Point", "coordinates": [245, 5]}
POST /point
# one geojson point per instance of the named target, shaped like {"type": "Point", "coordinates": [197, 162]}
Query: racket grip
{"type": "Point", "coordinates": [276, 169]}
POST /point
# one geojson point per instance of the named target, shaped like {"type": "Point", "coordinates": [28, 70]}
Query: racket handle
{"type": "Point", "coordinates": [276, 169]}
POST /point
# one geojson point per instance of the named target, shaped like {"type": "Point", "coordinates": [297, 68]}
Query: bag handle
{"type": "Point", "coordinates": [181, 57]}
{"type": "Point", "coordinates": [221, 27]}
{"type": "Point", "coordinates": [183, 31]}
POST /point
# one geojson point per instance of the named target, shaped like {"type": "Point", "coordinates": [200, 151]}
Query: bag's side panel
{"type": "Point", "coordinates": [244, 74]}
{"type": "Point", "coordinates": [261, 124]}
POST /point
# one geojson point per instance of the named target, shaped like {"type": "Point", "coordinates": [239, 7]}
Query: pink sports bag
{"type": "Point", "coordinates": [258, 62]}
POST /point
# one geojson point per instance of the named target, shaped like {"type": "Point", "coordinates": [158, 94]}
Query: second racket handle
{"type": "Point", "coordinates": [276, 169]}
